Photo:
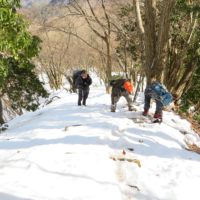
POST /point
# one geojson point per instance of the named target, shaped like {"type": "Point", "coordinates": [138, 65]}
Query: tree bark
{"type": "Point", "coordinates": [150, 36]}
{"type": "Point", "coordinates": [186, 76]}
{"type": "Point", "coordinates": [1, 113]}
{"type": "Point", "coordinates": [109, 64]}
{"type": "Point", "coordinates": [72, 88]}
{"type": "Point", "coordinates": [162, 43]}
{"type": "Point", "coordinates": [141, 33]}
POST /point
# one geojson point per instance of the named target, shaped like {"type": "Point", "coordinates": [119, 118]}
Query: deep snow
{"type": "Point", "coordinates": [39, 160]}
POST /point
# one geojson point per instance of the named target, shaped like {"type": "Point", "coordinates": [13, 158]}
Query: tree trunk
{"type": "Point", "coordinates": [186, 76]}
{"type": "Point", "coordinates": [1, 113]}
{"type": "Point", "coordinates": [109, 64]}
{"type": "Point", "coordinates": [162, 43]}
{"type": "Point", "coordinates": [141, 35]}
{"type": "Point", "coordinates": [72, 88]}
{"type": "Point", "coordinates": [143, 83]}
{"type": "Point", "coordinates": [108, 89]}
{"type": "Point", "coordinates": [150, 36]}
{"type": "Point", "coordinates": [138, 87]}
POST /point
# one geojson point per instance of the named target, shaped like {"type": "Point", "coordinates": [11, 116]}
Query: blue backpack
{"type": "Point", "coordinates": [159, 92]}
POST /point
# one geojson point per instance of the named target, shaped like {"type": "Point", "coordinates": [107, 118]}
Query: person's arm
{"type": "Point", "coordinates": [89, 81]}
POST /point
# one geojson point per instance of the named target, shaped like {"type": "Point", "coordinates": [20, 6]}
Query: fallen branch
{"type": "Point", "coordinates": [134, 187]}
{"type": "Point", "coordinates": [126, 159]}
{"type": "Point", "coordinates": [74, 125]}
{"type": "Point", "coordinates": [47, 102]}
{"type": "Point", "coordinates": [192, 147]}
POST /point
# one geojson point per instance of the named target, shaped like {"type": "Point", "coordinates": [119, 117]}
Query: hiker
{"type": "Point", "coordinates": [120, 87]}
{"type": "Point", "coordinates": [82, 83]}
{"type": "Point", "coordinates": [160, 94]}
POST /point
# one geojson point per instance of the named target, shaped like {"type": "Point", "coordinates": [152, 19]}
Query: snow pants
{"type": "Point", "coordinates": [83, 95]}
{"type": "Point", "coordinates": [159, 105]}
{"type": "Point", "coordinates": [115, 99]}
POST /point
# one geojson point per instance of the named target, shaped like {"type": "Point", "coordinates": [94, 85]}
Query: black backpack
{"type": "Point", "coordinates": [76, 74]}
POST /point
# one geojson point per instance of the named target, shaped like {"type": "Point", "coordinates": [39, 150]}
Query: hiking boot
{"type": "Point", "coordinates": [145, 113]}
{"type": "Point", "coordinates": [84, 102]}
{"type": "Point", "coordinates": [158, 116]}
{"type": "Point", "coordinates": [158, 120]}
{"type": "Point", "coordinates": [113, 107]}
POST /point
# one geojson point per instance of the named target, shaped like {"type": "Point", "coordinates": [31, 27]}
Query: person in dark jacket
{"type": "Point", "coordinates": [119, 90]}
{"type": "Point", "coordinates": [82, 84]}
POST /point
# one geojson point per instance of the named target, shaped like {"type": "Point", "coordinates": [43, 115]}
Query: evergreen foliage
{"type": "Point", "coordinates": [18, 82]}
{"type": "Point", "coordinates": [14, 37]}
{"type": "Point", "coordinates": [192, 96]}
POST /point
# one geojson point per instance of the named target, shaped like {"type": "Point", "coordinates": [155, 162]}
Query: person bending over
{"type": "Point", "coordinates": [82, 84]}
{"type": "Point", "coordinates": [121, 88]}
{"type": "Point", "coordinates": [160, 94]}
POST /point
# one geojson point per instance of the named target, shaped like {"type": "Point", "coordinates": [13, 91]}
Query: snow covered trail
{"type": "Point", "coordinates": [39, 160]}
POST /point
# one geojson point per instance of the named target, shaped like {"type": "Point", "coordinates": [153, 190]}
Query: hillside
{"type": "Point", "coordinates": [63, 151]}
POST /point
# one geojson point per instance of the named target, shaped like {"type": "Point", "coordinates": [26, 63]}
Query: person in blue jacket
{"type": "Point", "coordinates": [160, 94]}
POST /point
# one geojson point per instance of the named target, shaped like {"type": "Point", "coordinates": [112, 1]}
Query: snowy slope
{"type": "Point", "coordinates": [39, 160]}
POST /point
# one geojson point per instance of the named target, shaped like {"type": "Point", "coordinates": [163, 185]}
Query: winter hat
{"type": "Point", "coordinates": [83, 71]}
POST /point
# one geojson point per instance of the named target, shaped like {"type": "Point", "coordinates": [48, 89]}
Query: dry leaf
{"type": "Point", "coordinates": [18, 151]}
{"type": "Point", "coordinates": [130, 149]}
{"type": "Point", "coordinates": [66, 128]}
{"type": "Point", "coordinates": [157, 174]}
{"type": "Point", "coordinates": [183, 132]}
{"type": "Point", "coordinates": [124, 152]}
{"type": "Point", "coordinates": [174, 121]}
{"type": "Point", "coordinates": [141, 141]}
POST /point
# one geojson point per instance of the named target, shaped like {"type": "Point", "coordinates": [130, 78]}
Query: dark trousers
{"type": "Point", "coordinates": [159, 105]}
{"type": "Point", "coordinates": [115, 99]}
{"type": "Point", "coordinates": [83, 95]}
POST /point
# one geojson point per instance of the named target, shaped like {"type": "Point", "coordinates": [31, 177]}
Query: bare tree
{"type": "Point", "coordinates": [104, 34]}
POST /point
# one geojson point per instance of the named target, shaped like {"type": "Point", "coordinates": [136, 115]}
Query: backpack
{"type": "Point", "coordinates": [159, 92]}
{"type": "Point", "coordinates": [76, 74]}
{"type": "Point", "coordinates": [114, 79]}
